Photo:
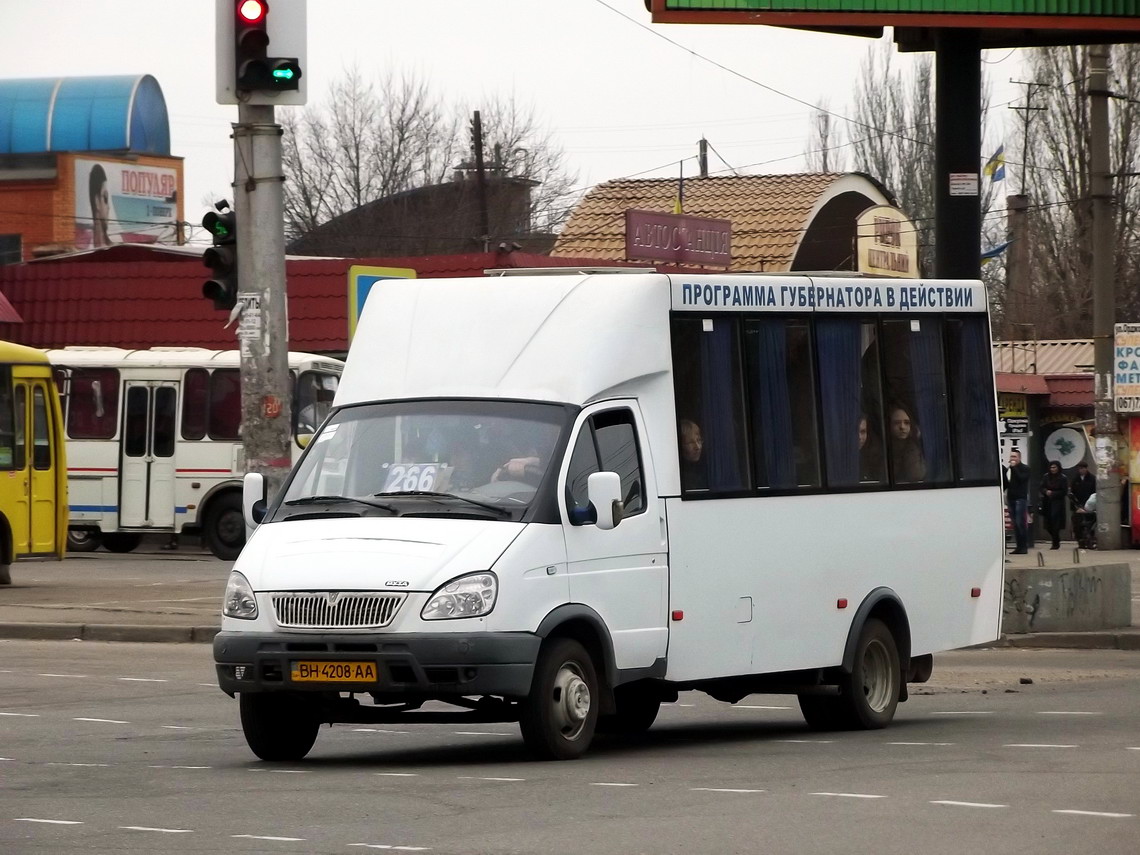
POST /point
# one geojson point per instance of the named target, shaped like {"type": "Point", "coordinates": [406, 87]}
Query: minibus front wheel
{"type": "Point", "coordinates": [558, 717]}
{"type": "Point", "coordinates": [278, 726]}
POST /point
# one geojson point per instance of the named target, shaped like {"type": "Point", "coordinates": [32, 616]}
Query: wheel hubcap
{"type": "Point", "coordinates": [571, 701]}
{"type": "Point", "coordinates": [877, 682]}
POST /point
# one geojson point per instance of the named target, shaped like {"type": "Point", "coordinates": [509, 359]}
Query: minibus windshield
{"type": "Point", "coordinates": [431, 458]}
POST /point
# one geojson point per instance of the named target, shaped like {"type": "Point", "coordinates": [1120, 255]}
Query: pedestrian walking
{"type": "Point", "coordinates": [1054, 495]}
{"type": "Point", "coordinates": [1017, 500]}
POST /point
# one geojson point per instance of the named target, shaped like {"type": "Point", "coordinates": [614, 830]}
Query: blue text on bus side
{"type": "Point", "coordinates": [827, 296]}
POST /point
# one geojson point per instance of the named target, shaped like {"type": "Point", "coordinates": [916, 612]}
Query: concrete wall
{"type": "Point", "coordinates": [1067, 599]}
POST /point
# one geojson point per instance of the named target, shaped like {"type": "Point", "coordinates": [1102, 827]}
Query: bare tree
{"type": "Point", "coordinates": [1056, 181]}
{"type": "Point", "coordinates": [374, 140]}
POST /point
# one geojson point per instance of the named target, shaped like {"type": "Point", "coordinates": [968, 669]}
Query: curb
{"type": "Point", "coordinates": [1099, 640]}
{"type": "Point", "coordinates": [107, 632]}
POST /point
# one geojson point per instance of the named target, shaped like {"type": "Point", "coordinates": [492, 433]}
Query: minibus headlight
{"type": "Point", "coordinates": [239, 601]}
{"type": "Point", "coordinates": [467, 596]}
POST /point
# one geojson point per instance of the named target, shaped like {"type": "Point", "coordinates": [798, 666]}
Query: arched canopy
{"type": "Point", "coordinates": [118, 113]}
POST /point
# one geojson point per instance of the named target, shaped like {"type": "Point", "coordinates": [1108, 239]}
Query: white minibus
{"type": "Point", "coordinates": [562, 499]}
{"type": "Point", "coordinates": [154, 440]}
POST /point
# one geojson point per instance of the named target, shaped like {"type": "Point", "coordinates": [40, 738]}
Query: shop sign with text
{"type": "Point", "coordinates": [677, 238]}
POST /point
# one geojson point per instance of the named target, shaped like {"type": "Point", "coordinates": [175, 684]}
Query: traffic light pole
{"type": "Point", "coordinates": [266, 393]}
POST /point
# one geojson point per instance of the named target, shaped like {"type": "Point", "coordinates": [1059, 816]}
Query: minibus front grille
{"type": "Point", "coordinates": [335, 610]}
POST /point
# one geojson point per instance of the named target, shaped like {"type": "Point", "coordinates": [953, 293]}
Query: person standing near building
{"type": "Point", "coordinates": [1081, 487]}
{"type": "Point", "coordinates": [1017, 500]}
{"type": "Point", "coordinates": [1054, 494]}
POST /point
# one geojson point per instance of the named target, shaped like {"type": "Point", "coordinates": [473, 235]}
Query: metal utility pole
{"type": "Point", "coordinates": [266, 396]}
{"type": "Point", "coordinates": [703, 157]}
{"type": "Point", "coordinates": [481, 180]}
{"type": "Point", "coordinates": [1104, 304]}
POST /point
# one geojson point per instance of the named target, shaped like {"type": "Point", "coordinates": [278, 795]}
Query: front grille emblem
{"type": "Point", "coordinates": [331, 597]}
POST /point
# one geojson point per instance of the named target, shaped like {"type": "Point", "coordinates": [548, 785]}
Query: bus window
{"type": "Point", "coordinates": [7, 420]}
{"type": "Point", "coordinates": [917, 432]}
{"type": "Point", "coordinates": [195, 403]}
{"type": "Point", "coordinates": [225, 404]}
{"type": "Point", "coordinates": [19, 456]}
{"type": "Point", "coordinates": [315, 393]}
{"type": "Point", "coordinates": [41, 438]}
{"type": "Point", "coordinates": [165, 404]}
{"type": "Point", "coordinates": [135, 422]}
{"type": "Point", "coordinates": [851, 401]}
{"type": "Point", "coordinates": [972, 402]}
{"type": "Point", "coordinates": [93, 403]}
{"type": "Point", "coordinates": [706, 361]}
{"type": "Point", "coordinates": [782, 395]}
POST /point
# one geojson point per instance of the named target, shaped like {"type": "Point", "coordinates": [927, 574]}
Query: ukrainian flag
{"type": "Point", "coordinates": [995, 166]}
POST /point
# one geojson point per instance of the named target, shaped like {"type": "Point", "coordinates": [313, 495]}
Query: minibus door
{"type": "Point", "coordinates": [42, 472]}
{"type": "Point", "coordinates": [146, 467]}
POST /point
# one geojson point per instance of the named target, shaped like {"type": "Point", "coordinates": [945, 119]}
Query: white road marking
{"type": "Point", "coordinates": [8, 759]}
{"type": "Point", "coordinates": [376, 730]}
{"type": "Point", "coordinates": [476, 778]}
{"type": "Point", "coordinates": [965, 804]}
{"type": "Point", "coordinates": [21, 714]}
{"type": "Point", "coordinates": [261, 837]}
{"type": "Point", "coordinates": [808, 741]}
{"type": "Point", "coordinates": [97, 765]}
{"type": "Point", "coordinates": [963, 712]}
{"type": "Point", "coordinates": [850, 795]}
{"type": "Point", "coordinates": [610, 784]}
{"type": "Point", "coordinates": [757, 707]}
{"type": "Point", "coordinates": [77, 676]}
{"type": "Point", "coordinates": [1133, 747]}
{"type": "Point", "coordinates": [1067, 712]}
{"type": "Point", "coordinates": [722, 790]}
{"type": "Point", "coordinates": [398, 774]}
{"type": "Point", "coordinates": [141, 680]}
{"type": "Point", "coordinates": [920, 743]}
{"type": "Point", "coordinates": [102, 720]}
{"type": "Point", "coordinates": [160, 830]}
{"type": "Point", "coordinates": [1035, 745]}
{"type": "Point", "coordinates": [175, 727]}
{"type": "Point", "coordinates": [47, 821]}
{"type": "Point", "coordinates": [481, 733]}
{"type": "Point", "coordinates": [1096, 813]}
{"type": "Point", "coordinates": [388, 846]}
{"type": "Point", "coordinates": [180, 767]}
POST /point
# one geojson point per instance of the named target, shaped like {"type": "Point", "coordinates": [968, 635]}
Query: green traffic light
{"type": "Point", "coordinates": [283, 73]}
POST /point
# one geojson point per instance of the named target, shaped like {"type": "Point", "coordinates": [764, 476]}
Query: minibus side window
{"type": "Point", "coordinates": [195, 403]}
{"type": "Point", "coordinates": [851, 402]}
{"type": "Point", "coordinates": [616, 439]}
{"type": "Point", "coordinates": [93, 405]}
{"type": "Point", "coordinates": [782, 393]}
{"type": "Point", "coordinates": [583, 463]}
{"type": "Point", "coordinates": [708, 387]}
{"type": "Point", "coordinates": [19, 458]}
{"type": "Point", "coordinates": [41, 438]}
{"type": "Point", "coordinates": [918, 436]}
{"type": "Point", "coordinates": [968, 358]}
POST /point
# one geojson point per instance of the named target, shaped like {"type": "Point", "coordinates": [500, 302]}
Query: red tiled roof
{"type": "Point", "coordinates": [8, 314]}
{"type": "Point", "coordinates": [1025, 384]}
{"type": "Point", "coordinates": [143, 303]}
{"type": "Point", "coordinates": [1071, 390]}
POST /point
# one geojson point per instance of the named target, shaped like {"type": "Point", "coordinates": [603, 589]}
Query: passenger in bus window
{"type": "Point", "coordinates": [694, 475]}
{"type": "Point", "coordinates": [906, 451]}
{"type": "Point", "coordinates": [870, 452]}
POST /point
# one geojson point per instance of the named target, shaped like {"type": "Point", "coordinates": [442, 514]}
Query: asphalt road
{"type": "Point", "coordinates": [113, 748]}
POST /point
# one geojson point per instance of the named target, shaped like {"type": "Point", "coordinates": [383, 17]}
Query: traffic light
{"type": "Point", "coordinates": [221, 258]}
{"type": "Point", "coordinates": [254, 69]}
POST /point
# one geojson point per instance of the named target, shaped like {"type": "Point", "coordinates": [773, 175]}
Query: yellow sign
{"type": "Point", "coordinates": [886, 243]}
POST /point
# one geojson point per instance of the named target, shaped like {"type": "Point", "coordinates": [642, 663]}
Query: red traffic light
{"type": "Point", "coordinates": [252, 11]}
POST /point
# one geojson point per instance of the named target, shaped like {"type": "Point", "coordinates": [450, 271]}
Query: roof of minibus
{"type": "Point", "coordinates": [20, 354]}
{"type": "Point", "coordinates": [572, 338]}
{"type": "Point", "coordinates": [166, 357]}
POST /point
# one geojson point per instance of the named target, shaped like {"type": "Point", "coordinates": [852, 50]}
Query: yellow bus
{"type": "Point", "coordinates": [33, 471]}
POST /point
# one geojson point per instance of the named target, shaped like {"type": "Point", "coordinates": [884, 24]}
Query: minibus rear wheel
{"type": "Point", "coordinates": [83, 539]}
{"type": "Point", "coordinates": [868, 695]}
{"type": "Point", "coordinates": [278, 726]}
{"type": "Point", "coordinates": [558, 717]}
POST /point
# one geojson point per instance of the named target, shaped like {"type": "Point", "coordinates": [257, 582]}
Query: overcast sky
{"type": "Point", "coordinates": [619, 97]}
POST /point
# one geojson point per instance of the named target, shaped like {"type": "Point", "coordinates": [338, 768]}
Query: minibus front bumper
{"type": "Point", "coordinates": [418, 664]}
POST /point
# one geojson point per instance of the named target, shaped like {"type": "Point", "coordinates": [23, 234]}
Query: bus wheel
{"type": "Point", "coordinates": [558, 717]}
{"type": "Point", "coordinates": [224, 531]}
{"type": "Point", "coordinates": [278, 726]}
{"type": "Point", "coordinates": [121, 541]}
{"type": "Point", "coordinates": [5, 574]}
{"type": "Point", "coordinates": [868, 695]}
{"type": "Point", "coordinates": [83, 539]}
{"type": "Point", "coordinates": [637, 708]}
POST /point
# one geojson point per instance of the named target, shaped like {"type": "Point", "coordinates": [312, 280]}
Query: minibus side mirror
{"type": "Point", "coordinates": [604, 490]}
{"type": "Point", "coordinates": [253, 502]}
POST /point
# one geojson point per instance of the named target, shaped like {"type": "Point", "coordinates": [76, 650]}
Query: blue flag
{"type": "Point", "coordinates": [995, 166]}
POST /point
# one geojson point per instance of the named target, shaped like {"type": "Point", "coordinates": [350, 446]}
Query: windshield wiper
{"type": "Point", "coordinates": [332, 500]}
{"type": "Point", "coordinates": [503, 512]}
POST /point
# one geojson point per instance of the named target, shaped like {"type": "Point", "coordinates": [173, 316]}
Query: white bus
{"type": "Point", "coordinates": [154, 443]}
{"type": "Point", "coordinates": [569, 497]}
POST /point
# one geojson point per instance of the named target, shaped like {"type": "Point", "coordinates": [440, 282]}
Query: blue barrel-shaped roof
{"type": "Point", "coordinates": [120, 113]}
